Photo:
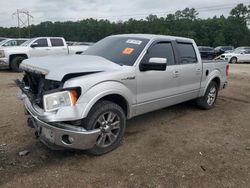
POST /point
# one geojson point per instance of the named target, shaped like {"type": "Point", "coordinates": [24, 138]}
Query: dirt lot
{"type": "Point", "coordinates": [180, 146]}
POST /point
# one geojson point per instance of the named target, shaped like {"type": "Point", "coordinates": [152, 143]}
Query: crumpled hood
{"type": "Point", "coordinates": [56, 67]}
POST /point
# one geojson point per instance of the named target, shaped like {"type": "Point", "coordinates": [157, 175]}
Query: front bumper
{"type": "Point", "coordinates": [60, 135]}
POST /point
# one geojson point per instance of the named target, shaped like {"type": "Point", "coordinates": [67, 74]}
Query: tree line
{"type": "Point", "coordinates": [216, 31]}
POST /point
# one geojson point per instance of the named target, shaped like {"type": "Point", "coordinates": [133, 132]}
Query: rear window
{"type": "Point", "coordinates": [56, 42]}
{"type": "Point", "coordinates": [187, 53]}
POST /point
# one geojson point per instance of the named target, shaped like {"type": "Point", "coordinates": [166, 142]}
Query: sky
{"type": "Point", "coordinates": [114, 10]}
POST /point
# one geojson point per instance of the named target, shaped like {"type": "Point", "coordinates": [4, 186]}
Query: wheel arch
{"type": "Point", "coordinates": [114, 96]}
{"type": "Point", "coordinates": [216, 78]}
{"type": "Point", "coordinates": [235, 58]}
{"type": "Point", "coordinates": [217, 81]}
{"type": "Point", "coordinates": [12, 56]}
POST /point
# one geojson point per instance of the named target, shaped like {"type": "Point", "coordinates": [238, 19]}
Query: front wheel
{"type": "Point", "coordinates": [208, 100]}
{"type": "Point", "coordinates": [15, 63]}
{"type": "Point", "coordinates": [111, 120]}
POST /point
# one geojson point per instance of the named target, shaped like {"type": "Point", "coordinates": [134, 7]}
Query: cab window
{"type": "Point", "coordinates": [56, 42]}
{"type": "Point", "coordinates": [161, 50]}
{"type": "Point", "coordinates": [42, 42]}
{"type": "Point", "coordinates": [187, 53]}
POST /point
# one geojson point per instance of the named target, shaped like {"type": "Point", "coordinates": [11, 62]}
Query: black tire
{"type": "Point", "coordinates": [15, 63]}
{"type": "Point", "coordinates": [203, 102]}
{"type": "Point", "coordinates": [233, 60]}
{"type": "Point", "coordinates": [91, 122]}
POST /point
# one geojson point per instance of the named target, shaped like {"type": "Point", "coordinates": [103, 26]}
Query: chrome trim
{"type": "Point", "coordinates": [83, 139]}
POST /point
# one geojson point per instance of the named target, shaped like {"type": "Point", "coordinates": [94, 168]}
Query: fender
{"type": "Point", "coordinates": [214, 74]}
{"type": "Point", "coordinates": [104, 89]}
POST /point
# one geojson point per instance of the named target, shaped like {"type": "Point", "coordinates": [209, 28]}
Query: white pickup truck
{"type": "Point", "coordinates": [11, 57]}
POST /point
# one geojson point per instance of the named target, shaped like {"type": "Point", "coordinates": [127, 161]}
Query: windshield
{"type": "Point", "coordinates": [26, 43]}
{"type": "Point", "coordinates": [3, 42]}
{"type": "Point", "coordinates": [120, 50]}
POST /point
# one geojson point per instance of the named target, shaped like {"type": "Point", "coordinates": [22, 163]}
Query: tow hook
{"type": "Point", "coordinates": [36, 134]}
{"type": "Point", "coordinates": [30, 122]}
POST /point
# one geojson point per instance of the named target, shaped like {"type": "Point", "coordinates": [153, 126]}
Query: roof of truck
{"type": "Point", "coordinates": [153, 36]}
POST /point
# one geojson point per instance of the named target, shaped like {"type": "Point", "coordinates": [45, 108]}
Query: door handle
{"type": "Point", "coordinates": [176, 74]}
{"type": "Point", "coordinates": [198, 70]}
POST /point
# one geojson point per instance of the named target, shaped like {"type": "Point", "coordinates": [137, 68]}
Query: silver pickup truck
{"type": "Point", "coordinates": [83, 102]}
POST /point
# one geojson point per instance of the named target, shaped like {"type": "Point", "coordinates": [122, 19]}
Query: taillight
{"type": "Point", "coordinates": [227, 70]}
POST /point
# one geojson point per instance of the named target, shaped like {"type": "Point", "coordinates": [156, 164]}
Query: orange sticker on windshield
{"type": "Point", "coordinates": [128, 51]}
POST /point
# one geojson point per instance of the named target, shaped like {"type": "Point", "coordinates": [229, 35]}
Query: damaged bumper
{"type": "Point", "coordinates": [59, 135]}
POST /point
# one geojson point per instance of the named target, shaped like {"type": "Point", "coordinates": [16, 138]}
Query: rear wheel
{"type": "Point", "coordinates": [15, 63]}
{"type": "Point", "coordinates": [233, 60]}
{"type": "Point", "coordinates": [111, 120]}
{"type": "Point", "coordinates": [208, 100]}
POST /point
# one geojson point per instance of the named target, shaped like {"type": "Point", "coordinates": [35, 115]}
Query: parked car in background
{"type": "Point", "coordinates": [239, 55]}
{"type": "Point", "coordinates": [71, 43]}
{"type": "Point", "coordinates": [86, 43]}
{"type": "Point", "coordinates": [2, 38]}
{"type": "Point", "coordinates": [12, 42]}
{"type": "Point", "coordinates": [78, 46]}
{"type": "Point", "coordinates": [207, 52]}
{"type": "Point", "coordinates": [223, 49]}
{"type": "Point", "coordinates": [11, 57]}
{"type": "Point", "coordinates": [83, 102]}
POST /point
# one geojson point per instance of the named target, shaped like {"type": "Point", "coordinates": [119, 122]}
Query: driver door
{"type": "Point", "coordinates": [158, 89]}
{"type": "Point", "coordinates": [41, 48]}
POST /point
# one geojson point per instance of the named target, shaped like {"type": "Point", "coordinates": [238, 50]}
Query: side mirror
{"type": "Point", "coordinates": [33, 45]}
{"type": "Point", "coordinates": [242, 53]}
{"type": "Point", "coordinates": [154, 63]}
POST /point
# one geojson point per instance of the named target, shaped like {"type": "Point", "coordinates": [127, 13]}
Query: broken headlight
{"type": "Point", "coordinates": [58, 100]}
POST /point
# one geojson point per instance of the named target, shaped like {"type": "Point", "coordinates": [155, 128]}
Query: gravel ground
{"type": "Point", "coordinates": [180, 146]}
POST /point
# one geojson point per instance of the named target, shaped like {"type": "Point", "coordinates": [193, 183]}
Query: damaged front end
{"type": "Point", "coordinates": [35, 86]}
{"type": "Point", "coordinates": [53, 128]}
